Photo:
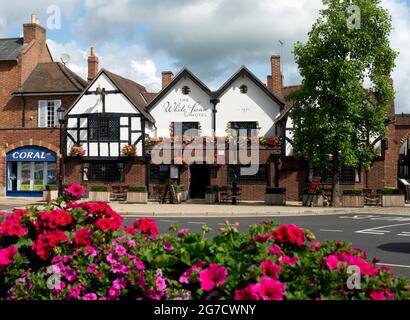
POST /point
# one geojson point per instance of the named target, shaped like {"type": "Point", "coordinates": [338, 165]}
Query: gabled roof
{"type": "Point", "coordinates": [185, 72]}
{"type": "Point", "coordinates": [130, 89]}
{"type": "Point", "coordinates": [52, 77]}
{"type": "Point", "coordinates": [10, 49]}
{"type": "Point", "coordinates": [288, 104]}
{"type": "Point", "coordinates": [245, 71]}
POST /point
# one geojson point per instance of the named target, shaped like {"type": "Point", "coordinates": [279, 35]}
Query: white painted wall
{"type": "Point", "coordinates": [195, 107]}
{"type": "Point", "coordinates": [289, 135]}
{"type": "Point", "coordinates": [115, 103]}
{"type": "Point", "coordinates": [255, 105]}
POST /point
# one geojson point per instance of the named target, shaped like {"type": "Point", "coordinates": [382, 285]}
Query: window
{"type": "Point", "coordinates": [160, 173]}
{"type": "Point", "coordinates": [259, 178]}
{"type": "Point", "coordinates": [186, 90]}
{"type": "Point", "coordinates": [347, 175]}
{"type": "Point", "coordinates": [244, 89]}
{"type": "Point", "coordinates": [240, 128]}
{"type": "Point", "coordinates": [47, 113]}
{"type": "Point", "coordinates": [104, 129]}
{"type": "Point", "coordinates": [185, 128]}
{"type": "Point", "coordinates": [103, 171]}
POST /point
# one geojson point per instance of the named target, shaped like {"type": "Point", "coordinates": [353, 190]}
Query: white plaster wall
{"type": "Point", "coordinates": [202, 112]}
{"type": "Point", "coordinates": [255, 105]}
{"type": "Point", "coordinates": [289, 135]}
{"type": "Point", "coordinates": [114, 103]}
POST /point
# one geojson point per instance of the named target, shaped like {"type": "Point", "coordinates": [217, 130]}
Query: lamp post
{"type": "Point", "coordinates": [61, 120]}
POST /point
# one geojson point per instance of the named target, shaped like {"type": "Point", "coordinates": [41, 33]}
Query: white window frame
{"type": "Point", "coordinates": [43, 117]}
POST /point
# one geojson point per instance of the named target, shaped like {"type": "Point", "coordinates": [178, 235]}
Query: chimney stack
{"type": "Point", "coordinates": [276, 81]}
{"type": "Point", "coordinates": [93, 65]}
{"type": "Point", "coordinates": [33, 31]}
{"type": "Point", "coordinates": [167, 77]}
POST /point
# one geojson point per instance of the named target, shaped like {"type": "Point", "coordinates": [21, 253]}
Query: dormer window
{"type": "Point", "coordinates": [186, 90]}
{"type": "Point", "coordinates": [244, 89]}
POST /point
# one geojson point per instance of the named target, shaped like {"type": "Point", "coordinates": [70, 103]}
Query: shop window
{"type": "Point", "coordinates": [261, 177]}
{"type": "Point", "coordinates": [103, 171]}
{"type": "Point", "coordinates": [104, 129]}
{"type": "Point", "coordinates": [347, 175]}
{"type": "Point", "coordinates": [185, 128]}
{"type": "Point", "coordinates": [160, 173]}
{"type": "Point", "coordinates": [250, 128]}
{"type": "Point", "coordinates": [47, 113]}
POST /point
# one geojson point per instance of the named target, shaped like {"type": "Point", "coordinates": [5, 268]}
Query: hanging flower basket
{"type": "Point", "coordinates": [129, 151]}
{"type": "Point", "coordinates": [77, 151]}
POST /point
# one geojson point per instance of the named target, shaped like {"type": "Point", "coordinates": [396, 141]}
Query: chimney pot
{"type": "Point", "coordinates": [93, 65]}
{"type": "Point", "coordinates": [33, 19]}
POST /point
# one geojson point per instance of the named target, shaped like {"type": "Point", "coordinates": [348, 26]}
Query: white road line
{"type": "Point", "coordinates": [200, 223]}
{"type": "Point", "coordinates": [392, 265]}
{"type": "Point", "coordinates": [404, 235]}
{"type": "Point", "coordinates": [325, 230]}
{"type": "Point", "coordinates": [379, 230]}
{"type": "Point", "coordinates": [169, 221]}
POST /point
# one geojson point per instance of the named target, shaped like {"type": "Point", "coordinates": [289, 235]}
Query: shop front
{"type": "Point", "coordinates": [30, 170]}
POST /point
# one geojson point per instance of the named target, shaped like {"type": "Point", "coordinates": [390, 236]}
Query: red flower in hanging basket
{"type": "Point", "coordinates": [129, 151]}
{"type": "Point", "coordinates": [77, 151]}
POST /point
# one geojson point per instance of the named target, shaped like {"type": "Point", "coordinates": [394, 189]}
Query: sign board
{"type": "Point", "coordinates": [314, 185]}
{"type": "Point", "coordinates": [31, 154]}
{"type": "Point", "coordinates": [405, 182]}
{"type": "Point", "coordinates": [174, 173]}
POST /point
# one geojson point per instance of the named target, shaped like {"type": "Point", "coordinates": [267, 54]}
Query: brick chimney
{"type": "Point", "coordinates": [33, 31]}
{"type": "Point", "coordinates": [167, 77]}
{"type": "Point", "coordinates": [93, 65]}
{"type": "Point", "coordinates": [276, 81]}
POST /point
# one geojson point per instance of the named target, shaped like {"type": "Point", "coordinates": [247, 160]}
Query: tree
{"type": "Point", "coordinates": [341, 109]}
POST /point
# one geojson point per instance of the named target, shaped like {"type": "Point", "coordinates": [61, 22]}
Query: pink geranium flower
{"type": "Point", "coordinates": [270, 269]}
{"type": "Point", "coordinates": [381, 295]}
{"type": "Point", "coordinates": [275, 250]}
{"type": "Point", "coordinates": [75, 191]}
{"type": "Point", "coordinates": [332, 262]}
{"type": "Point", "coordinates": [249, 293]}
{"type": "Point", "coordinates": [7, 255]}
{"type": "Point", "coordinates": [269, 289]}
{"type": "Point", "coordinates": [90, 296]}
{"type": "Point", "coordinates": [288, 260]}
{"type": "Point", "coordinates": [212, 277]}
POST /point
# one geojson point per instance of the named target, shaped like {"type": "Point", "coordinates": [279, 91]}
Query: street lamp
{"type": "Point", "coordinates": [61, 120]}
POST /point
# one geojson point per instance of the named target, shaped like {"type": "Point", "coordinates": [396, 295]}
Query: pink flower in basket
{"type": "Point", "coordinates": [77, 151]}
{"type": "Point", "coordinates": [129, 151]}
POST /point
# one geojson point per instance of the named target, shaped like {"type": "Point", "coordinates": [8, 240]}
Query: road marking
{"type": "Point", "coordinates": [379, 230]}
{"type": "Point", "coordinates": [404, 235]}
{"type": "Point", "coordinates": [169, 221]}
{"type": "Point", "coordinates": [325, 230]}
{"type": "Point", "coordinates": [392, 265]}
{"type": "Point", "coordinates": [200, 223]}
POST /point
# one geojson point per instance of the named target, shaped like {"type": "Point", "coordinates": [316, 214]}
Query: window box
{"type": "Point", "coordinates": [182, 193]}
{"type": "Point", "coordinates": [212, 195]}
{"type": "Point", "coordinates": [137, 194]}
{"type": "Point", "coordinates": [393, 198]}
{"type": "Point", "coordinates": [275, 196]}
{"type": "Point", "coordinates": [353, 198]}
{"type": "Point", "coordinates": [51, 193]}
{"type": "Point", "coordinates": [100, 194]}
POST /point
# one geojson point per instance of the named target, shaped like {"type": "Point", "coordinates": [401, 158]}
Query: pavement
{"type": "Point", "coordinates": [386, 237]}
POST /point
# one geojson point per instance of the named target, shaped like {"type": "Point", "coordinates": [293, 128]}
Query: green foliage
{"type": "Point", "coordinates": [353, 192]}
{"type": "Point", "coordinates": [334, 113]}
{"type": "Point", "coordinates": [275, 190]}
{"type": "Point", "coordinates": [100, 188]}
{"type": "Point", "coordinates": [180, 188]}
{"type": "Point", "coordinates": [212, 189]}
{"type": "Point", "coordinates": [392, 191]}
{"type": "Point", "coordinates": [140, 189]}
{"type": "Point", "coordinates": [51, 187]}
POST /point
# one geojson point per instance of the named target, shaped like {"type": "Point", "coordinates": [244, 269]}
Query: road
{"type": "Point", "coordinates": [386, 237]}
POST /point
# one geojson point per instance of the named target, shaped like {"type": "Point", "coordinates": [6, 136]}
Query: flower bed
{"type": "Point", "coordinates": [70, 251]}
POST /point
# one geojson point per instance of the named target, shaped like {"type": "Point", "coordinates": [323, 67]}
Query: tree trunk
{"type": "Point", "coordinates": [336, 198]}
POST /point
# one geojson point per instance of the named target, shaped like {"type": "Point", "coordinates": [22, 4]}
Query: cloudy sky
{"type": "Point", "coordinates": [140, 38]}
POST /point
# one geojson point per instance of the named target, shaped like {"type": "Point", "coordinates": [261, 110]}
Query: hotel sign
{"type": "Point", "coordinates": [186, 108]}
{"type": "Point", "coordinates": [31, 154]}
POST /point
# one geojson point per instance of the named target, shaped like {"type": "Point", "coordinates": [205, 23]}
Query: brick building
{"type": "Point", "coordinates": [32, 88]}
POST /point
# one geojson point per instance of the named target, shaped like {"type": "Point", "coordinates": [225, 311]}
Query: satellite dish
{"type": "Point", "coordinates": [65, 58]}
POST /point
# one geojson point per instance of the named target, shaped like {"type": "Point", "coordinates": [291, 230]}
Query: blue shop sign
{"type": "Point", "coordinates": [31, 154]}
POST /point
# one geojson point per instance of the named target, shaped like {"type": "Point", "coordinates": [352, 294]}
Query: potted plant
{"type": "Point", "coordinates": [314, 200]}
{"type": "Point", "coordinates": [353, 198]}
{"type": "Point", "coordinates": [77, 151]}
{"type": "Point", "coordinates": [137, 194]}
{"type": "Point", "coordinates": [129, 151]}
{"type": "Point", "coordinates": [99, 193]}
{"type": "Point", "coordinates": [50, 193]}
{"type": "Point", "coordinates": [211, 196]}
{"type": "Point", "coordinates": [182, 193]}
{"type": "Point", "coordinates": [275, 196]}
{"type": "Point", "coordinates": [393, 197]}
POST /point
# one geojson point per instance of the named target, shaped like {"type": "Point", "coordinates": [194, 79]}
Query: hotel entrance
{"type": "Point", "coordinates": [29, 170]}
{"type": "Point", "coordinates": [200, 180]}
